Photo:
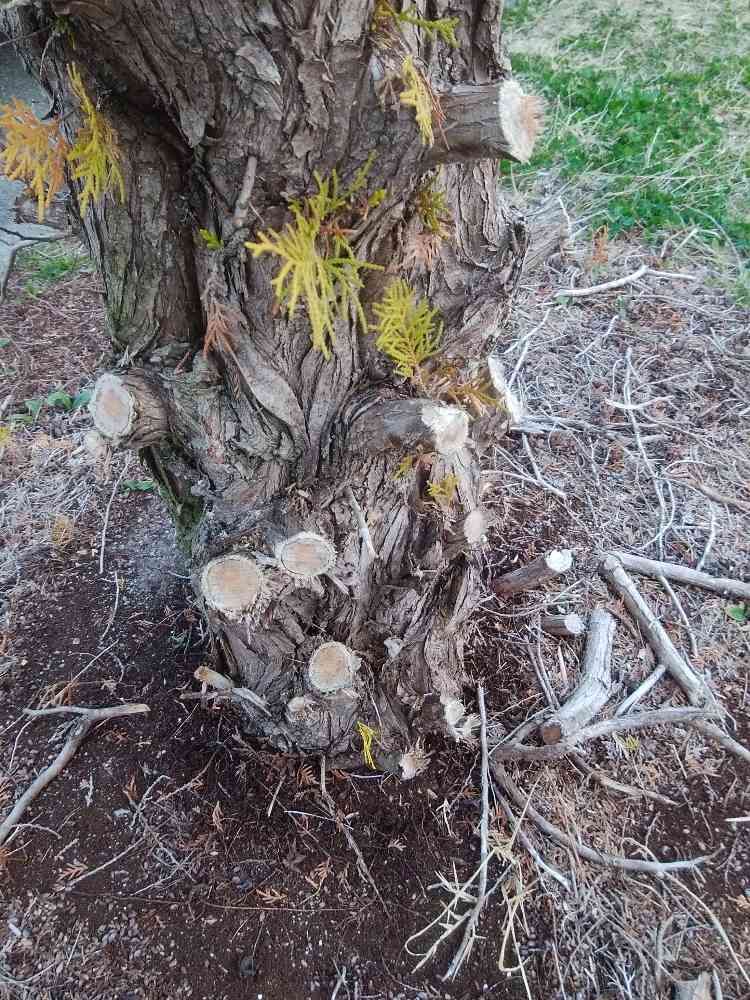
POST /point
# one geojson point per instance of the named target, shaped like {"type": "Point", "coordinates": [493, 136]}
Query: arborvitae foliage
{"type": "Point", "coordinates": [409, 332]}
{"type": "Point", "coordinates": [433, 210]}
{"type": "Point", "coordinates": [418, 95]}
{"type": "Point", "coordinates": [443, 490]}
{"type": "Point", "coordinates": [404, 467]}
{"type": "Point", "coordinates": [318, 263]}
{"type": "Point", "coordinates": [367, 734]}
{"type": "Point", "coordinates": [34, 152]}
{"type": "Point", "coordinates": [210, 239]}
{"type": "Point", "coordinates": [95, 157]}
{"type": "Point", "coordinates": [443, 27]}
{"type": "Point", "coordinates": [475, 394]}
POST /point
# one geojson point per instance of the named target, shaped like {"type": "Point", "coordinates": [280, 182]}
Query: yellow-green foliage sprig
{"type": "Point", "coordinates": [442, 491]}
{"type": "Point", "coordinates": [318, 263]}
{"type": "Point", "coordinates": [432, 209]}
{"type": "Point", "coordinates": [443, 27]}
{"type": "Point", "coordinates": [211, 240]}
{"type": "Point", "coordinates": [95, 156]}
{"type": "Point", "coordinates": [36, 151]}
{"type": "Point", "coordinates": [409, 332]}
{"type": "Point", "coordinates": [368, 734]}
{"type": "Point", "coordinates": [417, 94]}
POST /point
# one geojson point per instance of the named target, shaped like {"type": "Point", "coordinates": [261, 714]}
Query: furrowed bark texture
{"type": "Point", "coordinates": [224, 110]}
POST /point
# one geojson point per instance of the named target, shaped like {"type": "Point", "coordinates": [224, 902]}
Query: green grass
{"type": "Point", "coordinates": [650, 120]}
{"type": "Point", "coordinates": [47, 265]}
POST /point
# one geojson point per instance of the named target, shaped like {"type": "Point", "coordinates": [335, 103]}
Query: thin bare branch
{"type": "Point", "coordinates": [624, 724]}
{"type": "Point", "coordinates": [505, 781]}
{"type": "Point", "coordinates": [89, 718]}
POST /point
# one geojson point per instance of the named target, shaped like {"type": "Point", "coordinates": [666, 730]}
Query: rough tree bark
{"type": "Point", "coordinates": [336, 592]}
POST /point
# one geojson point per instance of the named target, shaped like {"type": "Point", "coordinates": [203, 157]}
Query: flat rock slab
{"type": "Point", "coordinates": [16, 235]}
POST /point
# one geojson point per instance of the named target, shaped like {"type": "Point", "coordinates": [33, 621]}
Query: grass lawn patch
{"type": "Point", "coordinates": [647, 115]}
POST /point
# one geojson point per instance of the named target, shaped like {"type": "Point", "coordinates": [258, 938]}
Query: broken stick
{"type": "Point", "coordinates": [504, 780]}
{"type": "Point", "coordinates": [595, 686]}
{"type": "Point", "coordinates": [88, 719]}
{"type": "Point", "coordinates": [664, 649]}
{"type": "Point", "coordinates": [723, 739]}
{"type": "Point", "coordinates": [642, 690]}
{"type": "Point", "coordinates": [512, 750]}
{"type": "Point", "coordinates": [568, 626]}
{"type": "Point", "coordinates": [529, 577]}
{"type": "Point", "coordinates": [683, 574]}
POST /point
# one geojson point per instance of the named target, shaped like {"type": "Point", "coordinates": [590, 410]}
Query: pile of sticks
{"type": "Point", "coordinates": [570, 725]}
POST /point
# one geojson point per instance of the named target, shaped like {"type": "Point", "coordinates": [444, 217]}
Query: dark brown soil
{"type": "Point", "coordinates": [216, 899]}
{"type": "Point", "coordinates": [211, 878]}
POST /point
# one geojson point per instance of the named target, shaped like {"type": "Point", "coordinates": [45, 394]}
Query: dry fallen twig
{"type": "Point", "coordinates": [568, 626]}
{"type": "Point", "coordinates": [364, 530]}
{"type": "Point", "coordinates": [618, 786]}
{"type": "Point", "coordinates": [578, 293]}
{"type": "Point", "coordinates": [724, 739]}
{"type": "Point", "coordinates": [655, 479]}
{"type": "Point", "coordinates": [341, 825]}
{"type": "Point", "coordinates": [709, 542]}
{"type": "Point", "coordinates": [611, 568]}
{"type": "Point", "coordinates": [89, 717]}
{"type": "Point", "coordinates": [519, 835]}
{"type": "Point", "coordinates": [717, 924]}
{"type": "Point", "coordinates": [683, 574]}
{"type": "Point", "coordinates": [595, 686]}
{"type": "Point", "coordinates": [505, 781]}
{"type": "Point", "coordinates": [538, 477]}
{"type": "Point", "coordinates": [107, 511]}
{"type": "Point", "coordinates": [642, 690]}
{"type": "Point", "coordinates": [538, 571]}
{"type": "Point", "coordinates": [681, 612]}
{"type": "Point", "coordinates": [628, 279]}
{"type": "Point", "coordinates": [623, 724]}
{"type": "Point", "coordinates": [719, 497]}
{"type": "Point", "coordinates": [470, 929]}
{"type": "Point", "coordinates": [450, 919]}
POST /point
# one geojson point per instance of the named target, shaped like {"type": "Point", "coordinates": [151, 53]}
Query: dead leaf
{"type": "Point", "coordinates": [305, 775]}
{"type": "Point", "coordinates": [131, 790]}
{"type": "Point", "coordinates": [319, 874]}
{"type": "Point", "coordinates": [217, 817]}
{"type": "Point", "coordinates": [73, 871]}
{"type": "Point", "coordinates": [271, 896]}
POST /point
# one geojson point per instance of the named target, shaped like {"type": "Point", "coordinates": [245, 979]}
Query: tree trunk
{"type": "Point", "coordinates": [336, 589]}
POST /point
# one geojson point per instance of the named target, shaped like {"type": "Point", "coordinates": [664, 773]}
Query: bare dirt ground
{"type": "Point", "coordinates": [172, 859]}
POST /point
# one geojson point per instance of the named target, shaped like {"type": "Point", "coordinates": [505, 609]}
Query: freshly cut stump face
{"type": "Point", "coordinates": [449, 426]}
{"type": "Point", "coordinates": [306, 555]}
{"type": "Point", "coordinates": [475, 527]}
{"type": "Point", "coordinates": [520, 120]}
{"type": "Point", "coordinates": [332, 667]}
{"type": "Point", "coordinates": [113, 407]}
{"type": "Point", "coordinates": [231, 584]}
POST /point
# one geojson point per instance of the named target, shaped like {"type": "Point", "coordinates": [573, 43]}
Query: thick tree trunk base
{"type": "Point", "coordinates": [330, 505]}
